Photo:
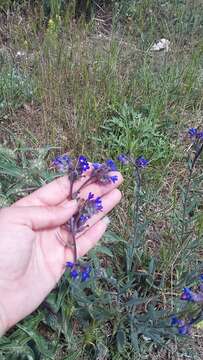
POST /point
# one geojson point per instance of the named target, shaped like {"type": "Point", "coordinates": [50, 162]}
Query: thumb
{"type": "Point", "coordinates": [41, 217]}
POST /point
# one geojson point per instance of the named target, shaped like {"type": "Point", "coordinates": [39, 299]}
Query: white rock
{"type": "Point", "coordinates": [162, 44]}
{"type": "Point", "coordinates": [20, 54]}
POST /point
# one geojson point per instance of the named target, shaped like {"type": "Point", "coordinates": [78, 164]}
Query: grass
{"type": "Point", "coordinates": [99, 84]}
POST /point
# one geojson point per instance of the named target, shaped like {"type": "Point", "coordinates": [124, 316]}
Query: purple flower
{"type": "Point", "coordinates": [88, 208]}
{"type": "Point", "coordinates": [78, 270]}
{"type": "Point", "coordinates": [98, 204]}
{"type": "Point", "coordinates": [187, 294]}
{"type": "Point", "coordinates": [111, 165]}
{"type": "Point", "coordinates": [62, 162]}
{"type": "Point", "coordinates": [90, 196]}
{"type": "Point", "coordinates": [199, 135]}
{"type": "Point", "coordinates": [114, 178]}
{"type": "Point", "coordinates": [141, 162]}
{"type": "Point", "coordinates": [174, 320]}
{"type": "Point", "coordinates": [85, 276]}
{"type": "Point", "coordinates": [101, 172]}
{"type": "Point", "coordinates": [201, 277]}
{"type": "Point", "coordinates": [192, 132]}
{"type": "Point", "coordinates": [184, 329]}
{"type": "Point", "coordinates": [123, 159]}
{"type": "Point", "coordinates": [74, 274]}
{"type": "Point", "coordinates": [82, 165]}
{"type": "Point", "coordinates": [70, 264]}
{"type": "Point", "coordinates": [83, 219]}
{"type": "Point", "coordinates": [96, 166]}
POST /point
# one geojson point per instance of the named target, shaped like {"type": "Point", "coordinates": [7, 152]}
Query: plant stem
{"type": "Point", "coordinates": [184, 223]}
{"type": "Point", "coordinates": [134, 237]}
{"type": "Point", "coordinates": [72, 230]}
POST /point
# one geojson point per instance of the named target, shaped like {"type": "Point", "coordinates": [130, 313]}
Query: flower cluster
{"type": "Point", "coordinates": [184, 326]}
{"type": "Point", "coordinates": [87, 208]}
{"type": "Point", "coordinates": [194, 133]}
{"type": "Point", "coordinates": [139, 162]}
{"type": "Point", "coordinates": [100, 173]}
{"type": "Point", "coordinates": [74, 168]}
{"type": "Point", "coordinates": [79, 272]}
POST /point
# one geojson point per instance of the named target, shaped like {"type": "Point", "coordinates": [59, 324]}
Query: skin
{"type": "Point", "coordinates": [32, 251]}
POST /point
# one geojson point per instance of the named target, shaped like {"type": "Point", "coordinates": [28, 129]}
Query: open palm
{"type": "Point", "coordinates": [32, 251]}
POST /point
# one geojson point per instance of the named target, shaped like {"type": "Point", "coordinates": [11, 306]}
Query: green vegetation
{"type": "Point", "coordinates": [99, 83]}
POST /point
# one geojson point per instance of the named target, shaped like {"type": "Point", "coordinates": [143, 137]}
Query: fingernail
{"type": "Point", "coordinates": [71, 203]}
{"type": "Point", "coordinates": [106, 220]}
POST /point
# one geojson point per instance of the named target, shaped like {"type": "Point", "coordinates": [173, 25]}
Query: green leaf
{"type": "Point", "coordinates": [103, 250]}
{"type": "Point", "coordinates": [120, 340]}
{"type": "Point", "coordinates": [103, 314]}
{"type": "Point", "coordinates": [136, 301]}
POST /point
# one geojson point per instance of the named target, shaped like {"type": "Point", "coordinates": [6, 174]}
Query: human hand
{"type": "Point", "coordinates": [32, 258]}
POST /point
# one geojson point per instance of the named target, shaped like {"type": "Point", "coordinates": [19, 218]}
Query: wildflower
{"type": "Point", "coordinates": [82, 165]}
{"type": "Point", "coordinates": [96, 166]}
{"type": "Point", "coordinates": [183, 326]}
{"type": "Point", "coordinates": [123, 159]}
{"type": "Point", "coordinates": [98, 204]}
{"type": "Point", "coordinates": [90, 196]}
{"type": "Point", "coordinates": [187, 294]}
{"type": "Point", "coordinates": [73, 167]}
{"type": "Point", "coordinates": [70, 264]}
{"type": "Point", "coordinates": [85, 276]}
{"type": "Point", "coordinates": [62, 163]}
{"type": "Point", "coordinates": [184, 329]}
{"type": "Point", "coordinates": [199, 135]}
{"type": "Point", "coordinates": [174, 320]}
{"type": "Point", "coordinates": [74, 274]}
{"type": "Point", "coordinates": [83, 219]}
{"type": "Point", "coordinates": [192, 132]}
{"type": "Point", "coordinates": [141, 162]}
{"type": "Point", "coordinates": [88, 208]}
{"type": "Point", "coordinates": [114, 178]}
{"type": "Point", "coordinates": [101, 172]}
{"type": "Point", "coordinates": [111, 165]}
{"type": "Point", "coordinates": [78, 270]}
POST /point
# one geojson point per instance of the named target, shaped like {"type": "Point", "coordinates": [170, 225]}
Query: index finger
{"type": "Point", "coordinates": [51, 194]}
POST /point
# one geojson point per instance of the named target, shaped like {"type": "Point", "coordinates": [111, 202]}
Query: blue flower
{"type": "Point", "coordinates": [174, 320]}
{"type": "Point", "coordinates": [98, 204]}
{"type": "Point", "coordinates": [187, 294]}
{"type": "Point", "coordinates": [82, 159]}
{"type": "Point", "coordinates": [192, 132]}
{"type": "Point", "coordinates": [85, 276]}
{"type": "Point", "coordinates": [123, 159]}
{"type": "Point", "coordinates": [62, 162]}
{"type": "Point", "coordinates": [111, 164]}
{"type": "Point", "coordinates": [90, 196]}
{"type": "Point", "coordinates": [74, 274]}
{"type": "Point", "coordinates": [199, 135]}
{"type": "Point", "coordinates": [201, 277]}
{"type": "Point", "coordinates": [83, 219]}
{"type": "Point", "coordinates": [114, 178]}
{"type": "Point", "coordinates": [83, 164]}
{"type": "Point", "coordinates": [141, 162]}
{"type": "Point", "coordinates": [66, 158]}
{"type": "Point", "coordinates": [183, 330]}
{"type": "Point", "coordinates": [96, 166]}
{"type": "Point", "coordinates": [69, 264]}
